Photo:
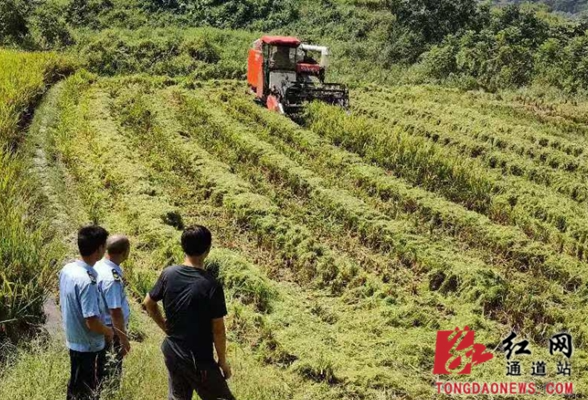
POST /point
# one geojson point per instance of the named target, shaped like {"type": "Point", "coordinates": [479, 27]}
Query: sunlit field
{"type": "Point", "coordinates": [344, 242]}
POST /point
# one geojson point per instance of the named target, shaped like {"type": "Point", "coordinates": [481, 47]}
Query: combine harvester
{"type": "Point", "coordinates": [284, 75]}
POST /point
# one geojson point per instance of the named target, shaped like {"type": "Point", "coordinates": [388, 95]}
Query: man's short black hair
{"type": "Point", "coordinates": [90, 238]}
{"type": "Point", "coordinates": [196, 240]}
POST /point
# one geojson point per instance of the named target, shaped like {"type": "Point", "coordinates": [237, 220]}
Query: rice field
{"type": "Point", "coordinates": [26, 249]}
{"type": "Point", "coordinates": [345, 242]}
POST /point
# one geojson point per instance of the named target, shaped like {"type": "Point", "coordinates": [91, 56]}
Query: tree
{"type": "Point", "coordinates": [568, 6]}
{"type": "Point", "coordinates": [48, 26]}
{"type": "Point", "coordinates": [13, 20]}
{"type": "Point", "coordinates": [85, 12]}
{"type": "Point", "coordinates": [435, 19]}
{"type": "Point", "coordinates": [531, 28]}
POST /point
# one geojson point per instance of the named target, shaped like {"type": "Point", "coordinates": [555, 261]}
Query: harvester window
{"type": "Point", "coordinates": [283, 58]}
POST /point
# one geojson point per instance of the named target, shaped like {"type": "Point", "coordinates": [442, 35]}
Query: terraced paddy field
{"type": "Point", "coordinates": [344, 242]}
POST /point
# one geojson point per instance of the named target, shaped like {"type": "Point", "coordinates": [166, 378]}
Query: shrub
{"type": "Point", "coordinates": [13, 20]}
{"type": "Point", "coordinates": [49, 28]}
{"type": "Point", "coordinates": [563, 65]}
{"type": "Point", "coordinates": [86, 13]}
{"type": "Point", "coordinates": [200, 48]}
{"type": "Point", "coordinates": [440, 62]}
{"type": "Point", "coordinates": [205, 53]}
{"type": "Point", "coordinates": [435, 19]}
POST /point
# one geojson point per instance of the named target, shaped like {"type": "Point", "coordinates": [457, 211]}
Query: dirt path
{"type": "Point", "coordinates": [53, 323]}
{"type": "Point", "coordinates": [50, 176]}
{"type": "Point", "coordinates": [56, 185]}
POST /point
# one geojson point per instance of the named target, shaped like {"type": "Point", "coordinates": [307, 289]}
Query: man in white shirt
{"type": "Point", "coordinates": [114, 306]}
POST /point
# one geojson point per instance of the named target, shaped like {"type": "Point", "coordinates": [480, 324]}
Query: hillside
{"type": "Point", "coordinates": [566, 6]}
{"type": "Point", "coordinates": [452, 193]}
{"type": "Point", "coordinates": [458, 42]}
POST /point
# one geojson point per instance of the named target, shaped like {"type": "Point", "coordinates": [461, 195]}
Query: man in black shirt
{"type": "Point", "coordinates": [194, 304]}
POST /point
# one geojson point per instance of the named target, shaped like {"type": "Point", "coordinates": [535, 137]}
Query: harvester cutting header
{"type": "Point", "coordinates": [283, 74]}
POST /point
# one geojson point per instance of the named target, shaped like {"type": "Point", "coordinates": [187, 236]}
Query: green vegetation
{"type": "Point", "coordinates": [566, 6]}
{"type": "Point", "coordinates": [204, 53]}
{"type": "Point", "coordinates": [321, 244]}
{"type": "Point", "coordinates": [345, 241]}
{"type": "Point", "coordinates": [26, 256]}
{"type": "Point", "coordinates": [465, 43]}
{"type": "Point", "coordinates": [515, 49]}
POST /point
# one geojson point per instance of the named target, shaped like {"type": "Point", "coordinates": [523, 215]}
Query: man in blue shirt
{"type": "Point", "coordinates": [114, 305]}
{"type": "Point", "coordinates": [84, 331]}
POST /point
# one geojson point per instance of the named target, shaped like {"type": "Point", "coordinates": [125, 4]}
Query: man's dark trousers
{"type": "Point", "coordinates": [87, 374]}
{"type": "Point", "coordinates": [186, 377]}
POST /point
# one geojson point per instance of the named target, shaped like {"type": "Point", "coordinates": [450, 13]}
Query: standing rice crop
{"type": "Point", "coordinates": [26, 259]}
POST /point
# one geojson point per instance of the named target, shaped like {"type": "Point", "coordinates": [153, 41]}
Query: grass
{"type": "Point", "coordinates": [564, 175]}
{"type": "Point", "coordinates": [254, 324]}
{"type": "Point", "coordinates": [343, 244]}
{"type": "Point", "coordinates": [45, 368]}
